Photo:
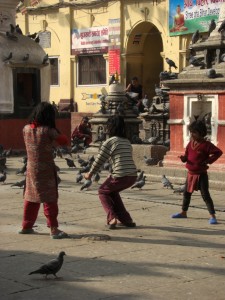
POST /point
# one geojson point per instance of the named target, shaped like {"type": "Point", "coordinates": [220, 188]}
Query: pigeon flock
{"type": "Point", "coordinates": [81, 166]}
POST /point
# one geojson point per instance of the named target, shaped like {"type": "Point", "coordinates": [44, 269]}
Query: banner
{"type": "Point", "coordinates": [90, 40]}
{"type": "Point", "coordinates": [189, 15]}
{"type": "Point", "coordinates": [114, 46]}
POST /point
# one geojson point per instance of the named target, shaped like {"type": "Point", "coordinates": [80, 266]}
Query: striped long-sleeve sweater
{"type": "Point", "coordinates": [119, 152]}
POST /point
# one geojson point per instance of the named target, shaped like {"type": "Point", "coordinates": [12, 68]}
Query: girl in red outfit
{"type": "Point", "coordinates": [41, 178]}
{"type": "Point", "coordinates": [199, 153]}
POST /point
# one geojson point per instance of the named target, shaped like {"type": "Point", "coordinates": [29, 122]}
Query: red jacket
{"type": "Point", "coordinates": [197, 158]}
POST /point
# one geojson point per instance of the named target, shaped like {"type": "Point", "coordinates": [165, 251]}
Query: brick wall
{"type": "Point", "coordinates": [11, 135]}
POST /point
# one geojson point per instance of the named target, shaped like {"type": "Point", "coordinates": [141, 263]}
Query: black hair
{"type": "Point", "coordinates": [85, 118]}
{"type": "Point", "coordinates": [44, 114]}
{"type": "Point", "coordinates": [116, 126]}
{"type": "Point", "coordinates": [134, 78]}
{"type": "Point", "coordinates": [198, 126]}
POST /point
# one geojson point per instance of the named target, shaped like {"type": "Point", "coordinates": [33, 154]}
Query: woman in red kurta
{"type": "Point", "coordinates": [199, 153]}
{"type": "Point", "coordinates": [41, 178]}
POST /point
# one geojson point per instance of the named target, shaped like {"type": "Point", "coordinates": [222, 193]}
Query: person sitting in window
{"type": "Point", "coordinates": [136, 87]}
{"type": "Point", "coordinates": [82, 132]}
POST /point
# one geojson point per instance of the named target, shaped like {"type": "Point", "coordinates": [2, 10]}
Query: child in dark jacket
{"type": "Point", "coordinates": [199, 153]}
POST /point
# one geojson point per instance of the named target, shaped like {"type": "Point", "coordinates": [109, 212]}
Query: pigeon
{"type": "Point", "coordinates": [11, 36]}
{"type": "Point", "coordinates": [86, 185]}
{"type": "Point", "coordinates": [180, 189]}
{"type": "Point", "coordinates": [139, 184]}
{"type": "Point", "coordinates": [120, 109]}
{"type": "Point", "coordinates": [171, 63]}
{"type": "Point", "coordinates": [12, 28]}
{"type": "Point", "coordinates": [222, 27]}
{"type": "Point", "coordinates": [152, 140]}
{"type": "Point", "coordinates": [52, 267]}
{"type": "Point", "coordinates": [22, 170]}
{"type": "Point", "coordinates": [58, 153]}
{"type": "Point", "coordinates": [19, 183]}
{"type": "Point", "coordinates": [65, 151]}
{"type": "Point", "coordinates": [150, 161]}
{"type": "Point", "coordinates": [79, 177]}
{"type": "Point", "coordinates": [18, 29]}
{"type": "Point", "coordinates": [112, 79]}
{"type": "Point", "coordinates": [80, 160]}
{"type": "Point", "coordinates": [32, 36]}
{"type": "Point", "coordinates": [8, 153]}
{"type": "Point", "coordinates": [166, 183]}
{"type": "Point", "coordinates": [7, 58]}
{"type": "Point", "coordinates": [196, 61]}
{"type": "Point", "coordinates": [26, 57]}
{"type": "Point", "coordinates": [195, 37]}
{"type": "Point", "coordinates": [96, 177]}
{"type": "Point", "coordinates": [3, 177]}
{"type": "Point", "coordinates": [211, 73]}
{"type": "Point", "coordinates": [212, 26]}
{"type": "Point", "coordinates": [75, 149]}
{"type": "Point", "coordinates": [85, 169]}
{"type": "Point", "coordinates": [70, 163]}
{"type": "Point", "coordinates": [45, 59]}
{"type": "Point", "coordinates": [58, 179]}
{"type": "Point", "coordinates": [140, 176]}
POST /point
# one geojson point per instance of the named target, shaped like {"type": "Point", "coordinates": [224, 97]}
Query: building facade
{"type": "Point", "coordinates": [88, 41]}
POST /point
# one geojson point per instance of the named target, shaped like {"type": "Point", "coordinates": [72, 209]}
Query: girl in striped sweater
{"type": "Point", "coordinates": [118, 150]}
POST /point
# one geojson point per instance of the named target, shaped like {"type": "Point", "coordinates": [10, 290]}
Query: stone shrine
{"type": "Point", "coordinates": [116, 102]}
{"type": "Point", "coordinates": [199, 93]}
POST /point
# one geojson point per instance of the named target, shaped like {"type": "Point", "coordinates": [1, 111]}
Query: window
{"type": "Point", "coordinates": [91, 70]}
{"type": "Point", "coordinates": [54, 66]}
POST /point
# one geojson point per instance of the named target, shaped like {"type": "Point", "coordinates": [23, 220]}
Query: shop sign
{"type": "Point", "coordinates": [90, 40]}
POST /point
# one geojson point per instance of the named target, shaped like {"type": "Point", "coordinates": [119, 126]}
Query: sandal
{"type": "Point", "coordinates": [213, 221]}
{"type": "Point", "coordinates": [59, 235]}
{"type": "Point", "coordinates": [178, 216]}
{"type": "Point", "coordinates": [26, 231]}
{"type": "Point", "coordinates": [112, 225]}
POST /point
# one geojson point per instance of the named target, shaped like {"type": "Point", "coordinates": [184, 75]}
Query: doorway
{"type": "Point", "coordinates": [143, 57]}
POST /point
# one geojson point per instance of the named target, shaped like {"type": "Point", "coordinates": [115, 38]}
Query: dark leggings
{"type": "Point", "coordinates": [204, 189]}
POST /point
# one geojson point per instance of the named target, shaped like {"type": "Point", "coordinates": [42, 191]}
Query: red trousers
{"type": "Point", "coordinates": [110, 198]}
{"type": "Point", "coordinates": [30, 214]}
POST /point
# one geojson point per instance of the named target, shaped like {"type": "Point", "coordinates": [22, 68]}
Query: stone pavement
{"type": "Point", "coordinates": [160, 259]}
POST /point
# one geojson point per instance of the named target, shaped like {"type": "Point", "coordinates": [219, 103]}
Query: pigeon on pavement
{"type": "Point", "coordinates": [139, 184]}
{"type": "Point", "coordinates": [180, 189]}
{"type": "Point", "coordinates": [20, 183]}
{"type": "Point", "coordinates": [140, 176]}
{"type": "Point", "coordinates": [52, 267]}
{"type": "Point", "coordinates": [22, 170]}
{"type": "Point", "coordinates": [166, 183]}
{"type": "Point", "coordinates": [70, 163]}
{"type": "Point", "coordinates": [3, 177]}
{"type": "Point", "coordinates": [150, 161]}
{"type": "Point", "coordinates": [79, 177]}
{"type": "Point", "coordinates": [86, 185]}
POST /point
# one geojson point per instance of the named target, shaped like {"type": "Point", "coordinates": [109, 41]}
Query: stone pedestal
{"type": "Point", "coordinates": [199, 93]}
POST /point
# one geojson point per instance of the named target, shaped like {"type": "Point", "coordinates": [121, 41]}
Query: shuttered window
{"type": "Point", "coordinates": [91, 70]}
